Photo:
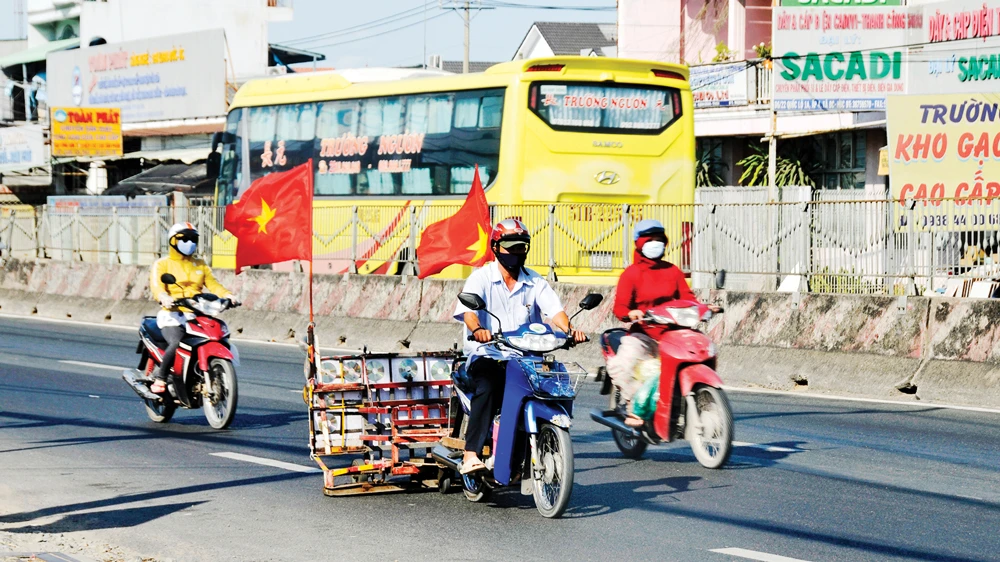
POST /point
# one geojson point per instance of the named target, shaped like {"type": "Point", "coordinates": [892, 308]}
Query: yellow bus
{"type": "Point", "coordinates": [568, 144]}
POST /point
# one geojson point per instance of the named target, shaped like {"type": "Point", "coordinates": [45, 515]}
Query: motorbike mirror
{"type": "Point", "coordinates": [168, 279]}
{"type": "Point", "coordinates": [720, 279]}
{"type": "Point", "coordinates": [472, 301]}
{"type": "Point", "coordinates": [591, 301]}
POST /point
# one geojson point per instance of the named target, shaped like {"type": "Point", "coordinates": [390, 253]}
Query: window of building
{"type": "Point", "coordinates": [842, 158]}
{"type": "Point", "coordinates": [712, 169]}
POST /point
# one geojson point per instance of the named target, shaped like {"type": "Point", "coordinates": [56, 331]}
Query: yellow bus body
{"type": "Point", "coordinates": [587, 176]}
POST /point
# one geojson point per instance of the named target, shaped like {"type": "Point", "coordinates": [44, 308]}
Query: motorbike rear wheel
{"type": "Point", "coordinates": [553, 479]}
{"type": "Point", "coordinates": [220, 404]}
{"type": "Point", "coordinates": [631, 447]}
{"type": "Point", "coordinates": [160, 412]}
{"type": "Point", "coordinates": [475, 488]}
{"type": "Point", "coordinates": [712, 443]}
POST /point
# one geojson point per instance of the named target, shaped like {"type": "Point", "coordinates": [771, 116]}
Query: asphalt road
{"type": "Point", "coordinates": [815, 480]}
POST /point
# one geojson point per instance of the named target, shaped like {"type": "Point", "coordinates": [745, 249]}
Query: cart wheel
{"type": "Point", "coordinates": [446, 481]}
{"type": "Point", "coordinates": [359, 478]}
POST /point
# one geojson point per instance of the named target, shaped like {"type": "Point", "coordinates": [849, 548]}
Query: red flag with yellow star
{"type": "Point", "coordinates": [463, 238]}
{"type": "Point", "coordinates": [272, 221]}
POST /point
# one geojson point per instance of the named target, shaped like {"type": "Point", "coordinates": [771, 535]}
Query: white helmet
{"type": "Point", "coordinates": [183, 237]}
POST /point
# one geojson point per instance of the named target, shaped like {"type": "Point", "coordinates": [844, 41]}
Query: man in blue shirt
{"type": "Point", "coordinates": [518, 296]}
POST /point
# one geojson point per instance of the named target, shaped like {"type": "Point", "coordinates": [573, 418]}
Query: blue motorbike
{"type": "Point", "coordinates": [531, 443]}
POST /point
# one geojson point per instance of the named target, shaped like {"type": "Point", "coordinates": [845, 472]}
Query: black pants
{"type": "Point", "coordinates": [487, 376]}
{"type": "Point", "coordinates": [173, 335]}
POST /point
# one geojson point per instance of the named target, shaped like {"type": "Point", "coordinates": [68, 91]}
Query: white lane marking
{"type": "Point", "coordinates": [94, 396]}
{"type": "Point", "coordinates": [333, 350]}
{"type": "Point", "coordinates": [70, 322]}
{"type": "Point", "coordinates": [266, 462]}
{"type": "Point", "coordinates": [94, 365]}
{"type": "Point", "coordinates": [754, 555]}
{"type": "Point", "coordinates": [917, 404]}
{"type": "Point", "coordinates": [768, 448]}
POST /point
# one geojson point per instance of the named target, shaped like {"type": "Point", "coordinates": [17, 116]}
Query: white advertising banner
{"type": "Point", "coordinates": [719, 85]}
{"type": "Point", "coordinates": [840, 59]}
{"type": "Point", "coordinates": [171, 77]}
{"type": "Point", "coordinates": [22, 148]}
{"type": "Point", "coordinates": [957, 50]}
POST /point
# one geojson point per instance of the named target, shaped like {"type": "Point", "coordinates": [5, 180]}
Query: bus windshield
{"type": "Point", "coordinates": [577, 106]}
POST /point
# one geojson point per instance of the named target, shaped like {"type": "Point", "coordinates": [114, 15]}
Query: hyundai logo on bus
{"type": "Point", "coordinates": [606, 178]}
{"type": "Point", "coordinates": [608, 144]}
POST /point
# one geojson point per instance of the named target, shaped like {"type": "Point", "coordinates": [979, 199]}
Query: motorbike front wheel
{"type": "Point", "coordinates": [712, 442]}
{"type": "Point", "coordinates": [220, 404]}
{"type": "Point", "coordinates": [553, 477]}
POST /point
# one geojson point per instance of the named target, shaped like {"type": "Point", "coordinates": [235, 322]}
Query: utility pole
{"type": "Point", "coordinates": [465, 59]}
{"type": "Point", "coordinates": [465, 6]}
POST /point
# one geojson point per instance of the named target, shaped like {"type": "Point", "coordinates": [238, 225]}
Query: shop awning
{"type": "Point", "coordinates": [36, 54]}
{"type": "Point", "coordinates": [185, 155]}
{"type": "Point", "coordinates": [280, 55]}
{"type": "Point", "coordinates": [167, 178]}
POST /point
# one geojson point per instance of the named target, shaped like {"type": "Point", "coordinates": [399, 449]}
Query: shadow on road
{"type": "Point", "coordinates": [147, 496]}
{"type": "Point", "coordinates": [111, 519]}
{"type": "Point", "coordinates": [192, 429]}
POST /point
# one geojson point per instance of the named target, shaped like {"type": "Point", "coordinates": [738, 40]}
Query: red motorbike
{"type": "Point", "coordinates": [204, 374]}
{"type": "Point", "coordinates": [690, 402]}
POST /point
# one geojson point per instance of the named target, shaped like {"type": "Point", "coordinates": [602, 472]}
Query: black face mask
{"type": "Point", "coordinates": [512, 262]}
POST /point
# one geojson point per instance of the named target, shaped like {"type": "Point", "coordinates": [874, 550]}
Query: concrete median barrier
{"type": "Point", "coordinates": [941, 350]}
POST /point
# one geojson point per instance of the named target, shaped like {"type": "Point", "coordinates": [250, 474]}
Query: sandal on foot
{"type": "Point", "coordinates": [158, 387]}
{"type": "Point", "coordinates": [634, 421]}
{"type": "Point", "coordinates": [469, 468]}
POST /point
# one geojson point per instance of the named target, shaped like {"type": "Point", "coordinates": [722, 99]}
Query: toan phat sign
{"type": "Point", "coordinates": [170, 77]}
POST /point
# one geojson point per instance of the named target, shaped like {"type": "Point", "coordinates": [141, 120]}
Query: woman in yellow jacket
{"type": "Point", "coordinates": [192, 276]}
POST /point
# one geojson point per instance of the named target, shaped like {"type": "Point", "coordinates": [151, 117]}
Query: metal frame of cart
{"type": "Point", "coordinates": [382, 406]}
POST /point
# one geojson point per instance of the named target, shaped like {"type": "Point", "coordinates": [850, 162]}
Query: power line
{"type": "Point", "coordinates": [400, 16]}
{"type": "Point", "coordinates": [515, 5]}
{"type": "Point", "coordinates": [379, 33]}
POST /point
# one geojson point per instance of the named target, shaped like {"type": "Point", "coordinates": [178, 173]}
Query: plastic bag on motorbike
{"type": "Point", "coordinates": [645, 399]}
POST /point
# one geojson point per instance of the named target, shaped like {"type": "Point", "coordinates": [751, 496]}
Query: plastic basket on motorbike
{"type": "Point", "coordinates": [377, 405]}
{"type": "Point", "coordinates": [551, 378]}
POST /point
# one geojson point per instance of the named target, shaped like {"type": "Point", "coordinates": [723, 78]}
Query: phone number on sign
{"type": "Point", "coordinates": [957, 221]}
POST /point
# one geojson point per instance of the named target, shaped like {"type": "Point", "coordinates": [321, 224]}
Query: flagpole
{"type": "Point", "coordinates": [312, 324]}
{"type": "Point", "coordinates": [311, 211]}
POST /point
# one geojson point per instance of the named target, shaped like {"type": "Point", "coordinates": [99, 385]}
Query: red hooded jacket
{"type": "Point", "coordinates": [648, 283]}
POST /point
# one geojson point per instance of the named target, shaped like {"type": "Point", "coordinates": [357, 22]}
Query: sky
{"type": "Point", "coordinates": [8, 25]}
{"type": "Point", "coordinates": [371, 40]}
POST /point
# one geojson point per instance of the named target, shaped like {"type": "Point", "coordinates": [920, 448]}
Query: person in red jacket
{"type": "Point", "coordinates": [649, 282]}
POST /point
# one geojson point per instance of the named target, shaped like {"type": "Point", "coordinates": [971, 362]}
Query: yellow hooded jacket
{"type": "Point", "coordinates": [192, 275]}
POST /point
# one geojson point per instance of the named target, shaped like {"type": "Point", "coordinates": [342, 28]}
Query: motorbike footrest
{"type": "Point", "coordinates": [139, 387]}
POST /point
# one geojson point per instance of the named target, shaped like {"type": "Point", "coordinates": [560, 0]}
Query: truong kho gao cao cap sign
{"type": "Point", "coordinates": [170, 77]}
{"type": "Point", "coordinates": [944, 159]}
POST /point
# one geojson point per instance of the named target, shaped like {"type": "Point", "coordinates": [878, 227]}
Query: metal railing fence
{"type": "Point", "coordinates": [804, 242]}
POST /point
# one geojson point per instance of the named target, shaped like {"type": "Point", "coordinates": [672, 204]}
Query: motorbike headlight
{"type": "Point", "coordinates": [209, 308]}
{"type": "Point", "coordinates": [538, 342]}
{"type": "Point", "coordinates": [686, 317]}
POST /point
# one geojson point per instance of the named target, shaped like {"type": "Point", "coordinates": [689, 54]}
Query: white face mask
{"type": "Point", "coordinates": [186, 247]}
{"type": "Point", "coordinates": [653, 249]}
